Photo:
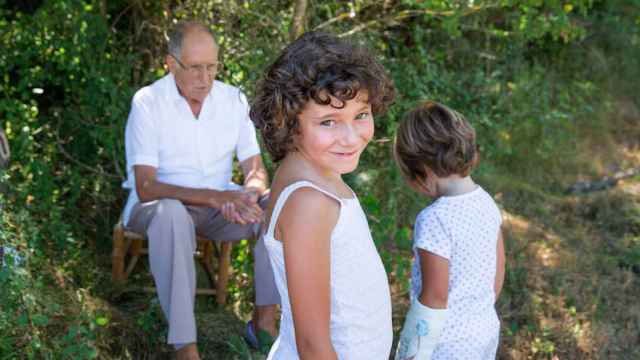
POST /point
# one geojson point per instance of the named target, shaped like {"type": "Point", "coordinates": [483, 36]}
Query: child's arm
{"type": "Point", "coordinates": [435, 280]}
{"type": "Point", "coordinates": [307, 221]}
{"type": "Point", "coordinates": [500, 263]}
{"type": "Point", "coordinates": [427, 315]}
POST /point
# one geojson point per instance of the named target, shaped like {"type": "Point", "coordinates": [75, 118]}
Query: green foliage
{"type": "Point", "coordinates": [239, 347]}
{"type": "Point", "coordinates": [63, 85]}
{"type": "Point", "coordinates": [152, 322]}
{"type": "Point", "coordinates": [241, 351]}
{"type": "Point", "coordinates": [32, 312]}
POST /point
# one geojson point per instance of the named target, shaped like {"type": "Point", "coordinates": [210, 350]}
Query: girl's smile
{"type": "Point", "coordinates": [333, 136]}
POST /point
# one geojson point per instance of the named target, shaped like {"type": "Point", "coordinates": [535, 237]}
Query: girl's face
{"type": "Point", "coordinates": [332, 138]}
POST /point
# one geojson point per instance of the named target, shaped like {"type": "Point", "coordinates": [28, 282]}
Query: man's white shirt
{"type": "Point", "coordinates": [187, 151]}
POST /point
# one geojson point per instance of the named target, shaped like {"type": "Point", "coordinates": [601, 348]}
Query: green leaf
{"type": "Point", "coordinates": [40, 320]}
{"type": "Point", "coordinates": [102, 321]}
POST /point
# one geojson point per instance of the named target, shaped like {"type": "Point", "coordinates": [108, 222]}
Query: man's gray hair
{"type": "Point", "coordinates": [179, 30]}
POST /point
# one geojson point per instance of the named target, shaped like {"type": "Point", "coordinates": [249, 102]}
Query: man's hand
{"type": "Point", "coordinates": [253, 193]}
{"type": "Point", "coordinates": [241, 207]}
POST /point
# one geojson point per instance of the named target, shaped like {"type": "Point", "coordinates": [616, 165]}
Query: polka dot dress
{"type": "Point", "coordinates": [464, 230]}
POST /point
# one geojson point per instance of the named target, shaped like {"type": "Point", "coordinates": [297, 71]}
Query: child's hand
{"type": "Point", "coordinates": [408, 344]}
{"type": "Point", "coordinates": [421, 332]}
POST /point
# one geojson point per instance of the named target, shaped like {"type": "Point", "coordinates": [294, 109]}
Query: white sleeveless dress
{"type": "Point", "coordinates": [360, 324]}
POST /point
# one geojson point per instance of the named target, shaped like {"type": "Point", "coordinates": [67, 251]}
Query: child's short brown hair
{"type": "Point", "coordinates": [434, 136]}
{"type": "Point", "coordinates": [315, 66]}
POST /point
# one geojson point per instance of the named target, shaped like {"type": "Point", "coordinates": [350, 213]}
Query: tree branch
{"type": "Point", "coordinates": [342, 16]}
{"type": "Point", "coordinates": [406, 14]}
{"type": "Point", "coordinates": [602, 184]}
{"type": "Point", "coordinates": [78, 162]}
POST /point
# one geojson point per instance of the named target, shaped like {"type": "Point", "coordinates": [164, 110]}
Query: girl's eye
{"type": "Point", "coordinates": [362, 116]}
{"type": "Point", "coordinates": [328, 123]}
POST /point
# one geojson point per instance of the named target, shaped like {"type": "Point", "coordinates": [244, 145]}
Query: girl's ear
{"type": "Point", "coordinates": [420, 185]}
{"type": "Point", "coordinates": [427, 184]}
{"type": "Point", "coordinates": [429, 172]}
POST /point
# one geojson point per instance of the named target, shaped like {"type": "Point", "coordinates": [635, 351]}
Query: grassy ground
{"type": "Point", "coordinates": [573, 278]}
{"type": "Point", "coordinates": [573, 274]}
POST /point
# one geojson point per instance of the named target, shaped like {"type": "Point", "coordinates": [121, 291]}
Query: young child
{"type": "Point", "coordinates": [315, 108]}
{"type": "Point", "coordinates": [459, 253]}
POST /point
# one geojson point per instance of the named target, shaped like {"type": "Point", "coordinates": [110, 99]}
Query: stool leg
{"type": "Point", "coordinates": [136, 251]}
{"type": "Point", "coordinates": [223, 272]}
{"type": "Point", "coordinates": [117, 255]}
{"type": "Point", "coordinates": [207, 263]}
{"type": "Point", "coordinates": [136, 247]}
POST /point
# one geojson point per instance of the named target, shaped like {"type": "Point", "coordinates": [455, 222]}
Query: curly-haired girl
{"type": "Point", "coordinates": [315, 109]}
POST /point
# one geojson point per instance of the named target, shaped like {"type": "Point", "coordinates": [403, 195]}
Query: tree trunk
{"type": "Point", "coordinates": [299, 19]}
{"type": "Point", "coordinates": [103, 8]}
{"type": "Point", "coordinates": [4, 149]}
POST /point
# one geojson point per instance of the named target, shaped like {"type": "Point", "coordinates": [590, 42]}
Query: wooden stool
{"type": "Point", "coordinates": [132, 243]}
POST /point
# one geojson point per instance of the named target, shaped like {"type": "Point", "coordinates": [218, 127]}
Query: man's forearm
{"type": "Point", "coordinates": [154, 190]}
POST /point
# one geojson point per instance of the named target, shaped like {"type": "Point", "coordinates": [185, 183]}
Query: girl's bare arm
{"type": "Point", "coordinates": [305, 225]}
{"type": "Point", "coordinates": [435, 280]}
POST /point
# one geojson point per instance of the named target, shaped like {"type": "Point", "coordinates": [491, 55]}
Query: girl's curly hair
{"type": "Point", "coordinates": [317, 66]}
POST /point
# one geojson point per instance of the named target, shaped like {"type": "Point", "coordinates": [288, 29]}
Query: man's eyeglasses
{"type": "Point", "coordinates": [210, 69]}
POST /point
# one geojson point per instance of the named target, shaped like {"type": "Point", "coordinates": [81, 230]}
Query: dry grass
{"type": "Point", "coordinates": [568, 293]}
{"type": "Point", "coordinates": [574, 265]}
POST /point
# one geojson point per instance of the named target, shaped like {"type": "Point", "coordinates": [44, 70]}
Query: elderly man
{"type": "Point", "coordinates": [182, 133]}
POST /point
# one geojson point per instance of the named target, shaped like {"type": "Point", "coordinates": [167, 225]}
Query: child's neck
{"type": "Point", "coordinates": [455, 185]}
{"type": "Point", "coordinates": [305, 169]}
